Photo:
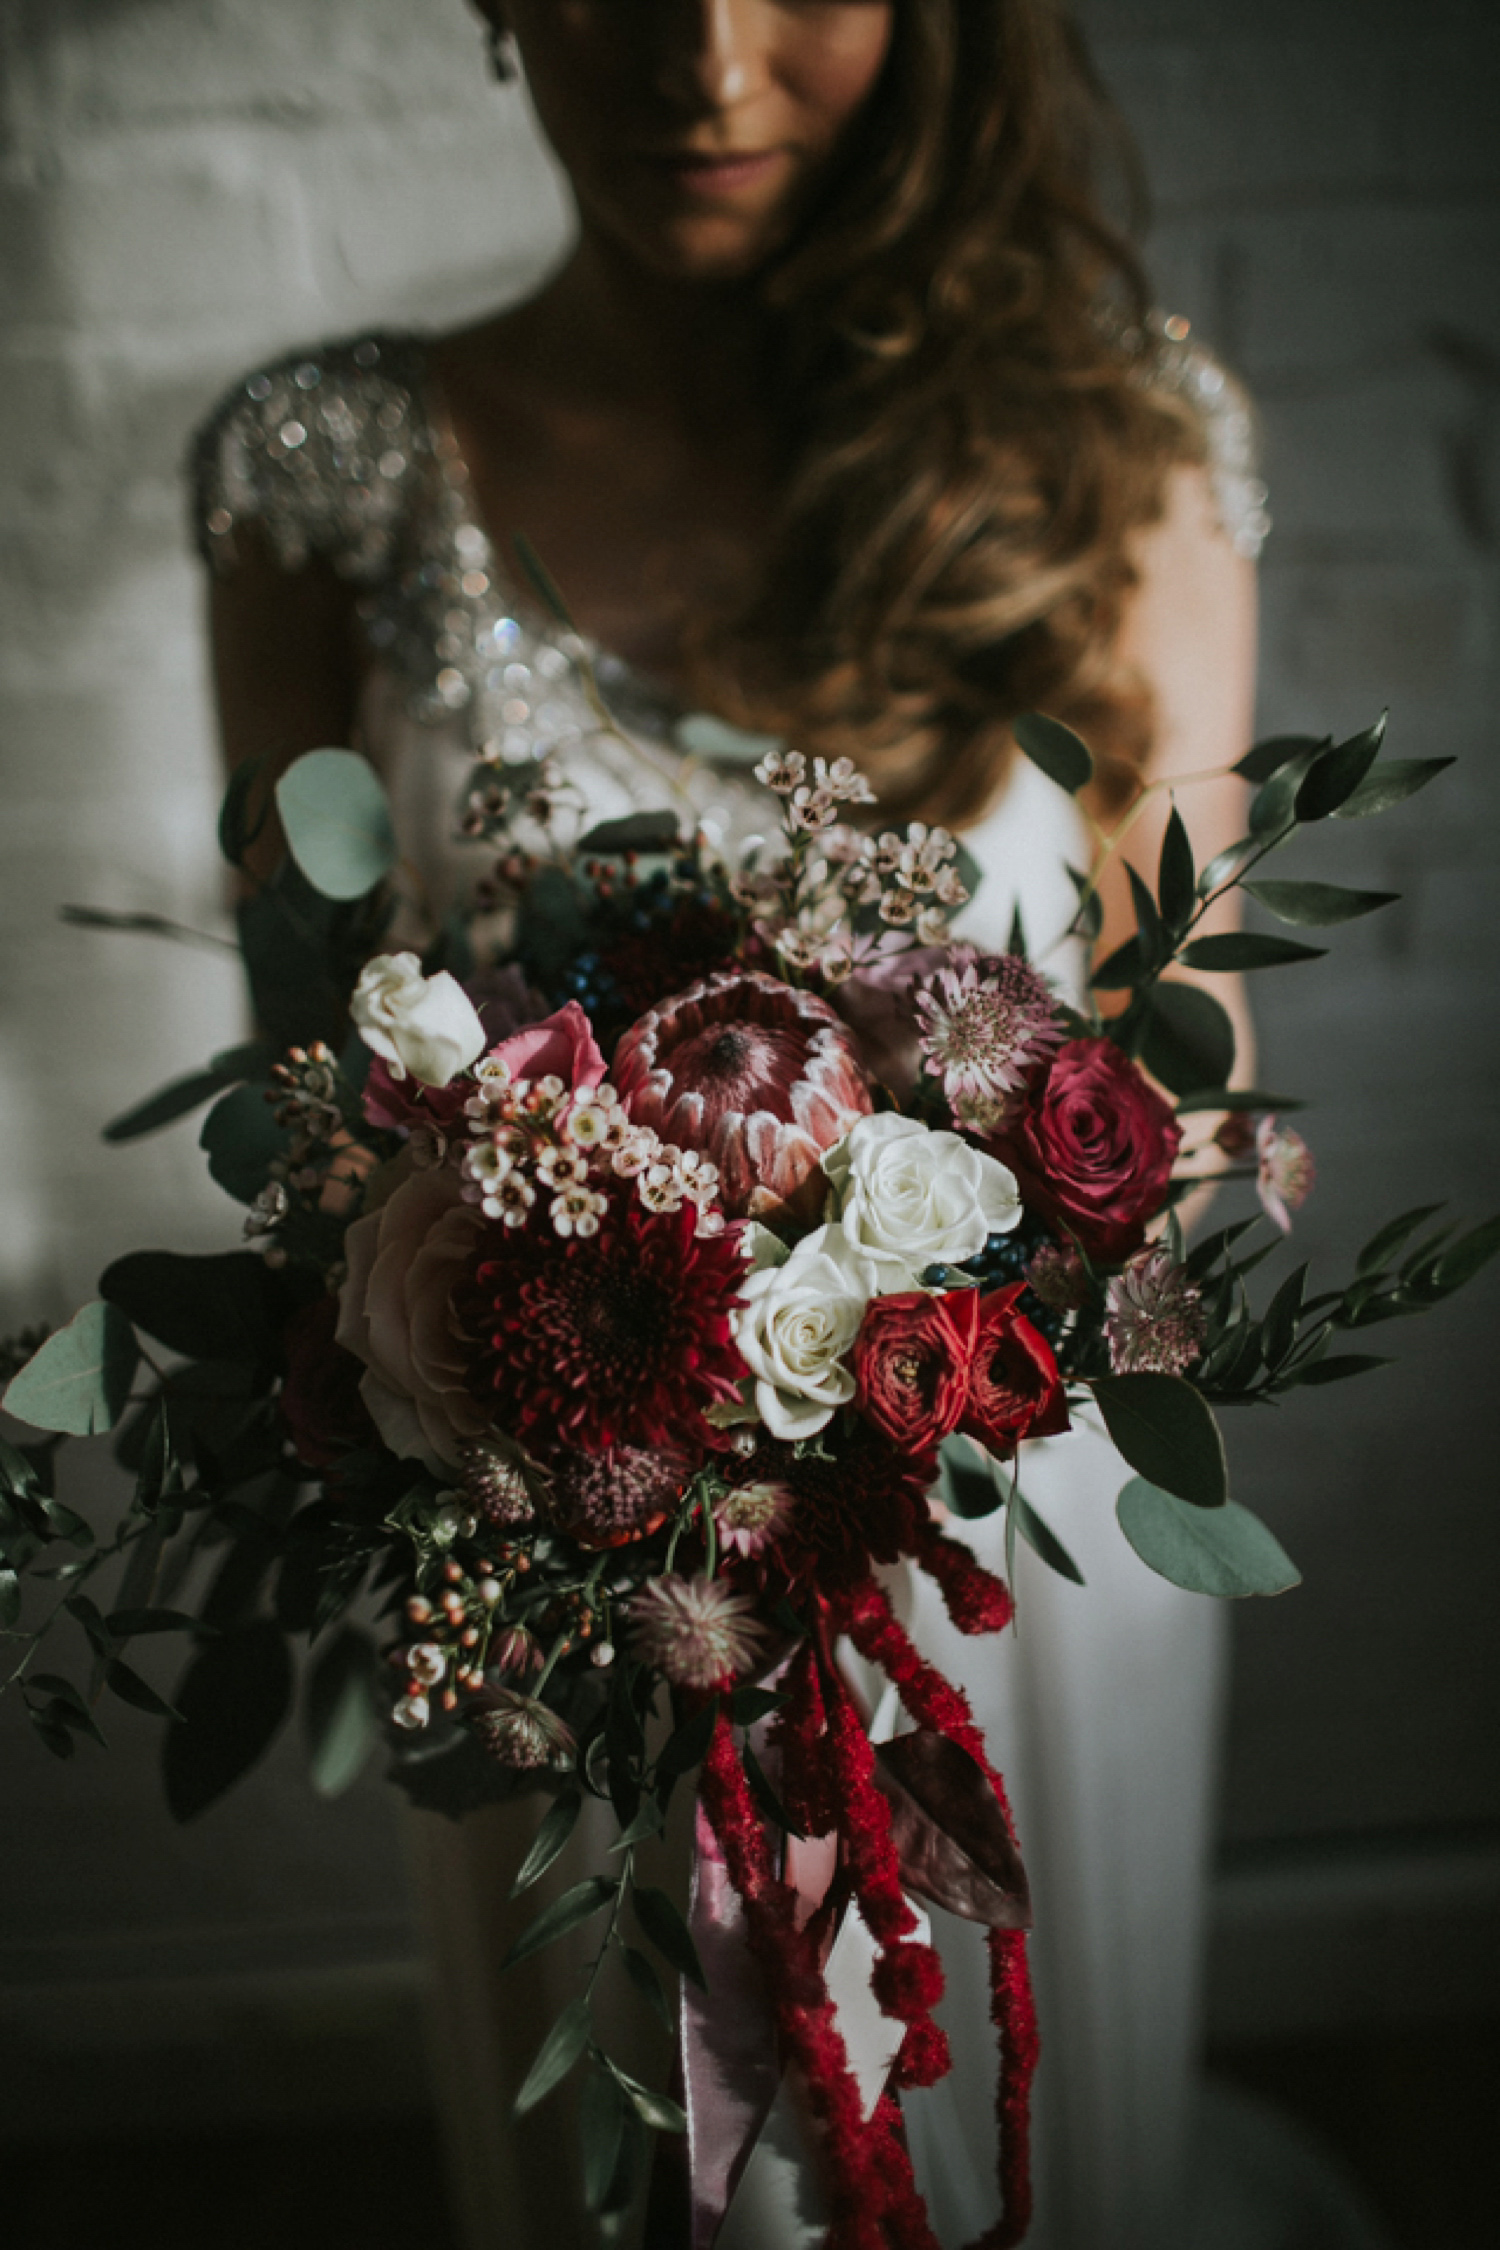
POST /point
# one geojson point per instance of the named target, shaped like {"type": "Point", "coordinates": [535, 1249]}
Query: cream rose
{"type": "Point", "coordinates": [396, 1314]}
{"type": "Point", "coordinates": [796, 1327]}
{"type": "Point", "coordinates": [425, 1025]}
{"type": "Point", "coordinates": [909, 1199]}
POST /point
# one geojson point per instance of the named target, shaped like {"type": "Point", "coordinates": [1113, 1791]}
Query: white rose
{"type": "Point", "coordinates": [909, 1199]}
{"type": "Point", "coordinates": [795, 1328]}
{"type": "Point", "coordinates": [425, 1025]}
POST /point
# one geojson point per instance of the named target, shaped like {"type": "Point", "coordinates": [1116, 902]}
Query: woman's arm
{"type": "Point", "coordinates": [285, 664]}
{"type": "Point", "coordinates": [1190, 633]}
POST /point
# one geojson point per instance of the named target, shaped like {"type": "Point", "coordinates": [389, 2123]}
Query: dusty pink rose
{"type": "Point", "coordinates": [561, 1046]}
{"type": "Point", "coordinates": [396, 1316]}
{"type": "Point", "coordinates": [759, 1078]}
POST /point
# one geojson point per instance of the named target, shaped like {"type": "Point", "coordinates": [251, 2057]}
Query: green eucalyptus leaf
{"type": "Point", "coordinates": [1152, 937]}
{"type": "Point", "coordinates": [1226, 865]}
{"type": "Point", "coordinates": [128, 1624]}
{"type": "Point", "coordinates": [1337, 1369]}
{"type": "Point", "coordinates": [233, 1699]}
{"type": "Point", "coordinates": [1189, 1038]}
{"type": "Point", "coordinates": [765, 1795]}
{"type": "Point", "coordinates": [79, 1382]}
{"type": "Point", "coordinates": [1335, 774]}
{"type": "Point", "coordinates": [968, 1488]}
{"type": "Point", "coordinates": [10, 1599]}
{"type": "Point", "coordinates": [1234, 950]}
{"type": "Point", "coordinates": [556, 2056]}
{"type": "Point", "coordinates": [634, 832]}
{"type": "Point", "coordinates": [1119, 970]}
{"type": "Point", "coordinates": [128, 1685]}
{"type": "Point", "coordinates": [1176, 875]}
{"type": "Point", "coordinates": [701, 735]}
{"type": "Point", "coordinates": [1317, 906]}
{"type": "Point", "coordinates": [656, 2110]}
{"type": "Point", "coordinates": [603, 2113]}
{"type": "Point", "coordinates": [1089, 920]}
{"type": "Point", "coordinates": [337, 821]}
{"type": "Point", "coordinates": [1382, 1247]}
{"type": "Point", "coordinates": [1235, 1098]}
{"type": "Point", "coordinates": [339, 1711]}
{"type": "Point", "coordinates": [169, 1103]}
{"type": "Point", "coordinates": [1043, 1540]}
{"type": "Point", "coordinates": [228, 1305]}
{"type": "Point", "coordinates": [1062, 755]}
{"type": "Point", "coordinates": [747, 1704]}
{"type": "Point", "coordinates": [648, 1984]}
{"type": "Point", "coordinates": [1279, 1328]}
{"type": "Point", "coordinates": [1268, 757]}
{"type": "Point", "coordinates": [242, 1140]}
{"type": "Point", "coordinates": [688, 1746]}
{"type": "Point", "coordinates": [667, 1931]}
{"type": "Point", "coordinates": [564, 1914]}
{"type": "Point", "coordinates": [241, 819]}
{"type": "Point", "coordinates": [1225, 1551]}
{"type": "Point", "coordinates": [1468, 1255]}
{"type": "Point", "coordinates": [1167, 1432]}
{"type": "Point", "coordinates": [1390, 783]}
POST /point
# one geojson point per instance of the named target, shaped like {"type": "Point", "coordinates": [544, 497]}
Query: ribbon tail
{"type": "Point", "coordinates": [730, 2068]}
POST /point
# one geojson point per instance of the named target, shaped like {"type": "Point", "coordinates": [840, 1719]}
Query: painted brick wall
{"type": "Point", "coordinates": [187, 185]}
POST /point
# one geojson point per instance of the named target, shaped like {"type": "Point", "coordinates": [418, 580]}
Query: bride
{"type": "Point", "coordinates": [845, 421]}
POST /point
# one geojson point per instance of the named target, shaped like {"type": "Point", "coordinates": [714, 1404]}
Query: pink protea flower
{"type": "Point", "coordinates": [751, 1517]}
{"type": "Point", "coordinates": [695, 1631]}
{"type": "Point", "coordinates": [986, 1021]}
{"type": "Point", "coordinates": [1154, 1322]}
{"type": "Point", "coordinates": [757, 1077]}
{"type": "Point", "coordinates": [1286, 1173]}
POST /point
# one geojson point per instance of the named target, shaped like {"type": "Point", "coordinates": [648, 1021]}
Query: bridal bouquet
{"type": "Point", "coordinates": [677, 1243]}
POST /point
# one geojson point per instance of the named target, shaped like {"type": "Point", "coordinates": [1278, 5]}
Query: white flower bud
{"type": "Point", "coordinates": [426, 1662]}
{"type": "Point", "coordinates": [427, 1026]}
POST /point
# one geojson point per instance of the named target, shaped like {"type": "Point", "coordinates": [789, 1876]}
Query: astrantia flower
{"type": "Point", "coordinates": [757, 1077]}
{"type": "Point", "coordinates": [986, 1021]}
{"type": "Point", "coordinates": [752, 1517]}
{"type": "Point", "coordinates": [1155, 1323]}
{"type": "Point", "coordinates": [606, 1499]}
{"type": "Point", "coordinates": [520, 1732]}
{"type": "Point", "coordinates": [618, 1338]}
{"type": "Point", "coordinates": [695, 1631]}
{"type": "Point", "coordinates": [1286, 1171]}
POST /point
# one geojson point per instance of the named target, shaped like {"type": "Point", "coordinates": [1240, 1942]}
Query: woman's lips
{"type": "Point", "coordinates": [716, 173]}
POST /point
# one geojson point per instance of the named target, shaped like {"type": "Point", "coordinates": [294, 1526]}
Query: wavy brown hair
{"type": "Point", "coordinates": [972, 446]}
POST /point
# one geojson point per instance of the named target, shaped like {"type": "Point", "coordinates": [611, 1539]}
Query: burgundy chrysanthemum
{"type": "Point", "coordinates": [618, 1339]}
{"type": "Point", "coordinates": [867, 1505]}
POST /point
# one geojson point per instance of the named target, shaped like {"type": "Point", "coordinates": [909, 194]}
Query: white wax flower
{"type": "Point", "coordinates": [796, 1327]}
{"type": "Point", "coordinates": [909, 1199]}
{"type": "Point", "coordinates": [425, 1025]}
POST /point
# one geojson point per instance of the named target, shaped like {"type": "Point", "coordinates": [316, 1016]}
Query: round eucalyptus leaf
{"type": "Point", "coordinates": [1224, 1551]}
{"type": "Point", "coordinates": [337, 820]}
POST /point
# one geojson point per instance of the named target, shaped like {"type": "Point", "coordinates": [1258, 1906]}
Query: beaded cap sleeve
{"type": "Point", "coordinates": [1167, 361]}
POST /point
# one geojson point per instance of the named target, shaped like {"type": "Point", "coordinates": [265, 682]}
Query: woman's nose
{"type": "Point", "coordinates": [706, 50]}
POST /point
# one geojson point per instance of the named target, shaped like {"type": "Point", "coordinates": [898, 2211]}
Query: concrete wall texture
{"type": "Point", "coordinates": [188, 185]}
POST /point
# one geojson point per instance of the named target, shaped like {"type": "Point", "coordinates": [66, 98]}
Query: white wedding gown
{"type": "Point", "coordinates": [1101, 1706]}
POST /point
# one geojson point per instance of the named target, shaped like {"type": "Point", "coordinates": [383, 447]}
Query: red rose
{"type": "Point", "coordinates": [911, 1362]}
{"type": "Point", "coordinates": [1015, 1390]}
{"type": "Point", "coordinates": [1094, 1147]}
{"type": "Point", "coordinates": [325, 1415]}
